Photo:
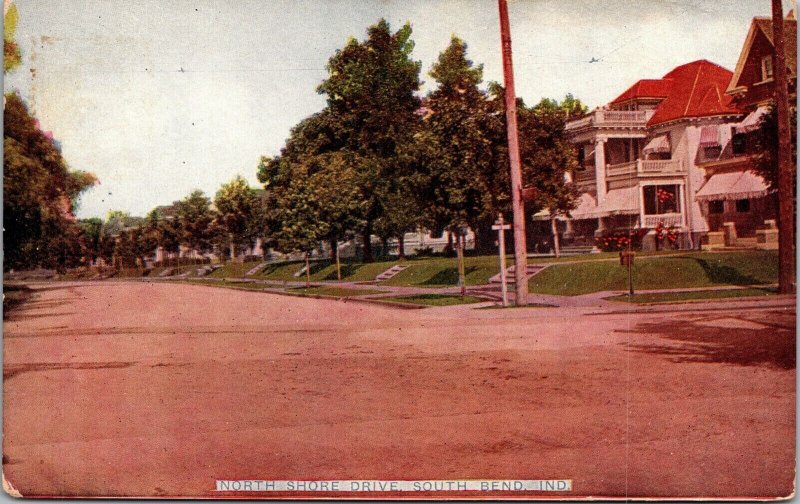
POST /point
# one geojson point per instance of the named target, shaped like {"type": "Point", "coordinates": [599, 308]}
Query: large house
{"type": "Point", "coordinates": [731, 185]}
{"type": "Point", "coordinates": [675, 153]}
{"type": "Point", "coordinates": [638, 154]}
{"type": "Point", "coordinates": [666, 155]}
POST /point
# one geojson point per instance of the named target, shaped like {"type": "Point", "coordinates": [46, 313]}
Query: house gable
{"type": "Point", "coordinates": [748, 83]}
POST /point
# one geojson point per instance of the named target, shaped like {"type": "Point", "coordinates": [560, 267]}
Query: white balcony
{"type": "Point", "coordinates": [646, 168]}
{"type": "Point", "coordinates": [660, 167]}
{"type": "Point", "coordinates": [612, 118]}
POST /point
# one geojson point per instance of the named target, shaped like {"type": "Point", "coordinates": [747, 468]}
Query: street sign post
{"type": "Point", "coordinates": [500, 226]}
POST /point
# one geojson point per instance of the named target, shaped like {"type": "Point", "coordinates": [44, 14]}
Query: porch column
{"type": "Point", "coordinates": [569, 233]}
{"type": "Point", "coordinates": [601, 226]}
{"type": "Point", "coordinates": [600, 168]}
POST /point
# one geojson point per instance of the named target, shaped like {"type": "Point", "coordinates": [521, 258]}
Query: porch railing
{"type": "Point", "coordinates": [600, 117]}
{"type": "Point", "coordinates": [670, 219]}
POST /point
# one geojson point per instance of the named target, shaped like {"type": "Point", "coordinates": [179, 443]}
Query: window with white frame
{"type": "Point", "coordinates": [766, 68]}
{"type": "Point", "coordinates": [661, 199]}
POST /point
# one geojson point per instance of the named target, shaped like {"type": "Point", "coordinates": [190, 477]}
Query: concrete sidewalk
{"type": "Point", "coordinates": [491, 293]}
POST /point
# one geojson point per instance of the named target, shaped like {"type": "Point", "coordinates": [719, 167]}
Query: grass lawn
{"type": "Point", "coordinates": [599, 256]}
{"type": "Point", "coordinates": [333, 291]}
{"type": "Point", "coordinates": [675, 297]}
{"type": "Point", "coordinates": [443, 271]}
{"type": "Point", "coordinates": [351, 271]}
{"type": "Point", "coordinates": [696, 269]}
{"type": "Point", "coordinates": [585, 274]}
{"type": "Point", "coordinates": [232, 269]}
{"type": "Point", "coordinates": [434, 299]}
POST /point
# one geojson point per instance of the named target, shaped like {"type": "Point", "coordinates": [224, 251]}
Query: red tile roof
{"type": "Point", "coordinates": [646, 88]}
{"type": "Point", "coordinates": [696, 89]}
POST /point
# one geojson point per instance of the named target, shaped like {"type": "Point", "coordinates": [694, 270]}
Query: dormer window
{"type": "Point", "coordinates": [766, 68]}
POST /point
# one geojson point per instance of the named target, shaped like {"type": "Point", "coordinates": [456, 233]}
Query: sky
{"type": "Point", "coordinates": [158, 98]}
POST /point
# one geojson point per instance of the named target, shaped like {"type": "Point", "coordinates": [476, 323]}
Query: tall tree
{"type": "Point", "coordinates": [40, 192]}
{"type": "Point", "coordinates": [370, 90]}
{"type": "Point", "coordinates": [315, 167]}
{"type": "Point", "coordinates": [163, 232]}
{"type": "Point", "coordinates": [458, 154]}
{"type": "Point", "coordinates": [545, 154]}
{"type": "Point", "coordinates": [91, 235]}
{"type": "Point", "coordinates": [193, 216]}
{"type": "Point", "coordinates": [548, 157]}
{"type": "Point", "coordinates": [234, 202]}
{"type": "Point", "coordinates": [456, 147]}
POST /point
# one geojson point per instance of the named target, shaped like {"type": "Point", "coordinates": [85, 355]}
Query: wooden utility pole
{"type": "Point", "coordinates": [518, 206]}
{"type": "Point", "coordinates": [786, 255]}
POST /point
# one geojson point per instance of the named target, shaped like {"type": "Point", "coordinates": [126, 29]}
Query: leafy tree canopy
{"type": "Point", "coordinates": [40, 193]}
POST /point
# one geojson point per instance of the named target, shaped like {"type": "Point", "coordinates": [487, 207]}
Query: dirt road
{"type": "Point", "coordinates": [138, 389]}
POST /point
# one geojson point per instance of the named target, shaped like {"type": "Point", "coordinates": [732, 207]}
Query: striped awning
{"type": "Point", "coordinates": [623, 201]}
{"type": "Point", "coordinates": [657, 145]}
{"type": "Point", "coordinates": [709, 136]}
{"type": "Point", "coordinates": [740, 184]}
{"type": "Point", "coordinates": [753, 121]}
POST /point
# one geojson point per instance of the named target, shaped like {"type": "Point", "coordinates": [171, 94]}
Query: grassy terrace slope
{"type": "Point", "coordinates": [422, 272]}
{"type": "Point", "coordinates": [671, 272]}
{"type": "Point", "coordinates": [577, 275]}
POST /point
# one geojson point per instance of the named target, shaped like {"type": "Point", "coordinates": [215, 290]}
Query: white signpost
{"type": "Point", "coordinates": [500, 226]}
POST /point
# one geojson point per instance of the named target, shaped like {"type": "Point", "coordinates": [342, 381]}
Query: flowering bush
{"type": "Point", "coordinates": [621, 240]}
{"type": "Point", "coordinates": [670, 234]}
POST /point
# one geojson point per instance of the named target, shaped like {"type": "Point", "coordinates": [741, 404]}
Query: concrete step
{"type": "Point", "coordinates": [166, 272]}
{"type": "Point", "coordinates": [386, 275]}
{"type": "Point", "coordinates": [255, 270]}
{"type": "Point", "coordinates": [578, 249]}
{"type": "Point", "coordinates": [746, 242]}
{"type": "Point", "coordinates": [531, 270]}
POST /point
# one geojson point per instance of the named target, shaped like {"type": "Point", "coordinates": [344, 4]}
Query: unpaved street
{"type": "Point", "coordinates": [160, 389]}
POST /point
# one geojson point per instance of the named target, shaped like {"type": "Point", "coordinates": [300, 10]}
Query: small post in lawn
{"type": "Point", "coordinates": [308, 273]}
{"type": "Point", "coordinates": [462, 282]}
{"type": "Point", "coordinates": [501, 227]}
{"type": "Point", "coordinates": [626, 259]}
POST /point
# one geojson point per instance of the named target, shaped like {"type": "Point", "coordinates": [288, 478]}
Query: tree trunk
{"type": "Point", "coordinates": [449, 248]}
{"type": "Point", "coordinates": [556, 240]}
{"type": "Point", "coordinates": [461, 276]}
{"type": "Point", "coordinates": [485, 240]}
{"type": "Point", "coordinates": [401, 244]}
{"type": "Point", "coordinates": [338, 264]}
{"type": "Point", "coordinates": [233, 249]}
{"type": "Point", "coordinates": [385, 247]}
{"type": "Point", "coordinates": [334, 243]}
{"type": "Point", "coordinates": [367, 237]}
